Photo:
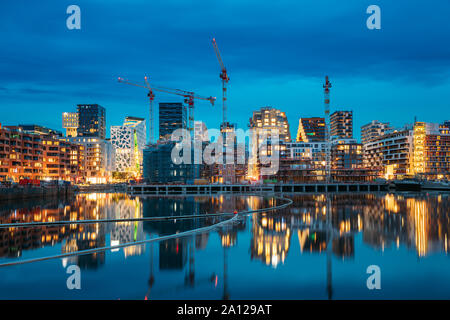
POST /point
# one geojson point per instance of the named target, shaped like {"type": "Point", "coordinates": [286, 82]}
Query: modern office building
{"type": "Point", "coordinates": [159, 167]}
{"type": "Point", "coordinates": [311, 130]}
{"type": "Point", "coordinates": [341, 123]}
{"type": "Point", "coordinates": [70, 123]}
{"type": "Point", "coordinates": [91, 121]}
{"type": "Point", "coordinates": [431, 155]}
{"type": "Point", "coordinates": [129, 141]}
{"type": "Point", "coordinates": [172, 116]}
{"type": "Point", "coordinates": [373, 130]}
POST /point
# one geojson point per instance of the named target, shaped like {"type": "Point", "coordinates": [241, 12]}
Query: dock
{"type": "Point", "coordinates": [182, 189]}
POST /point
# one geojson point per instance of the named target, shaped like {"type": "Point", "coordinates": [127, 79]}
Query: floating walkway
{"type": "Point", "coordinates": [246, 188]}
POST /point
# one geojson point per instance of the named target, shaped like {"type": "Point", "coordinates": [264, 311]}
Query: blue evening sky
{"type": "Point", "coordinates": [276, 52]}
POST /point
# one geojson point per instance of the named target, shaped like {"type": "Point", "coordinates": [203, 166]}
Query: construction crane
{"type": "Point", "coordinates": [151, 97]}
{"type": "Point", "coordinates": [188, 96]}
{"type": "Point", "coordinates": [225, 79]}
{"type": "Point", "coordinates": [326, 87]}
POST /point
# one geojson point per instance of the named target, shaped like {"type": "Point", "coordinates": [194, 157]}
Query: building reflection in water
{"type": "Point", "coordinates": [128, 231]}
{"type": "Point", "coordinates": [179, 253]}
{"type": "Point", "coordinates": [271, 237]}
{"type": "Point", "coordinates": [419, 222]}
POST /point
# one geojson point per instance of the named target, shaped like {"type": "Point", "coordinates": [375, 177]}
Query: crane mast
{"type": "Point", "coordinates": [151, 97]}
{"type": "Point", "coordinates": [224, 77]}
{"type": "Point", "coordinates": [327, 86]}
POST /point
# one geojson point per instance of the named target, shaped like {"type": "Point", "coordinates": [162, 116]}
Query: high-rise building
{"type": "Point", "coordinates": [227, 170]}
{"type": "Point", "coordinates": [341, 123]}
{"type": "Point", "coordinates": [70, 123]}
{"type": "Point", "coordinates": [311, 130]}
{"type": "Point", "coordinates": [266, 124]}
{"type": "Point", "coordinates": [431, 150]}
{"type": "Point", "coordinates": [91, 121]}
{"type": "Point", "coordinates": [129, 141]}
{"type": "Point", "coordinates": [172, 116]}
{"type": "Point", "coordinates": [268, 119]}
{"type": "Point", "coordinates": [373, 130]}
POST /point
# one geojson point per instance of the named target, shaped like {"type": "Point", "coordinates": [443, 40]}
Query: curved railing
{"type": "Point", "coordinates": [234, 217]}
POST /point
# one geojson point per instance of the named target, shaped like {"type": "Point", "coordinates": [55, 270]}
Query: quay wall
{"type": "Point", "coordinates": [18, 193]}
{"type": "Point", "coordinates": [148, 189]}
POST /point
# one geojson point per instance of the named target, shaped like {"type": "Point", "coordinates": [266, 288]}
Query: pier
{"type": "Point", "coordinates": [209, 189]}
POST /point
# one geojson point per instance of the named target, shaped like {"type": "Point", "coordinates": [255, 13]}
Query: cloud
{"type": "Point", "coordinates": [170, 41]}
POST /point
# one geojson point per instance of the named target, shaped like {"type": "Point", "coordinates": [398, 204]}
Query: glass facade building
{"type": "Point", "coordinates": [91, 121]}
{"type": "Point", "coordinates": [172, 116]}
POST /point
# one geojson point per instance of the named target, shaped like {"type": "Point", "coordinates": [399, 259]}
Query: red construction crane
{"type": "Point", "coordinates": [225, 79]}
{"type": "Point", "coordinates": [188, 96]}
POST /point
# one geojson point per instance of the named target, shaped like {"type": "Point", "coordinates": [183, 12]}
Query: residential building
{"type": "Point", "coordinates": [431, 150]}
{"type": "Point", "coordinates": [311, 130]}
{"type": "Point", "coordinates": [314, 152]}
{"type": "Point", "coordinates": [30, 154]}
{"type": "Point", "coordinates": [99, 159]}
{"type": "Point", "coordinates": [346, 154]}
{"type": "Point", "coordinates": [373, 130]}
{"type": "Point", "coordinates": [37, 129]}
{"type": "Point", "coordinates": [266, 125]}
{"type": "Point", "coordinates": [301, 162]}
{"type": "Point", "coordinates": [390, 154]}
{"type": "Point", "coordinates": [341, 124]}
{"type": "Point", "coordinates": [70, 123]}
{"type": "Point", "coordinates": [269, 119]}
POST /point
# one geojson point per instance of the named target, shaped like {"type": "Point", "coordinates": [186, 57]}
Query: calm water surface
{"type": "Point", "coordinates": [301, 252]}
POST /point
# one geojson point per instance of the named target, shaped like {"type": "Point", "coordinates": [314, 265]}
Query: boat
{"type": "Point", "coordinates": [408, 185]}
{"type": "Point", "coordinates": [436, 185]}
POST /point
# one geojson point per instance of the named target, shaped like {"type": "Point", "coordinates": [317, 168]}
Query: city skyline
{"type": "Point", "coordinates": [387, 77]}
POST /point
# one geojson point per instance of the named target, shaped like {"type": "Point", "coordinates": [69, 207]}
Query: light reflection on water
{"type": "Point", "coordinates": [258, 257]}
